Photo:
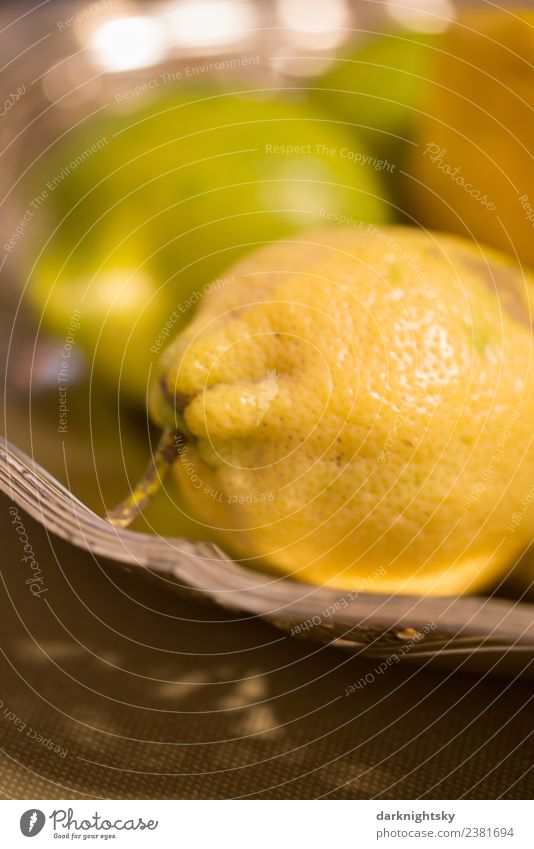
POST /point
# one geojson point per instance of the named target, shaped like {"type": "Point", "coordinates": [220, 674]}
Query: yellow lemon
{"type": "Point", "coordinates": [354, 408]}
{"type": "Point", "coordinates": [473, 166]}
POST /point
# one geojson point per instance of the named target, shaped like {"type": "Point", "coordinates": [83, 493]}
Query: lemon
{"type": "Point", "coordinates": [377, 86]}
{"type": "Point", "coordinates": [146, 205]}
{"type": "Point", "coordinates": [473, 168]}
{"type": "Point", "coordinates": [356, 407]}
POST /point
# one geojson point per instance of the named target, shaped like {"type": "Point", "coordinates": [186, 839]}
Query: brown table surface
{"type": "Point", "coordinates": [144, 694]}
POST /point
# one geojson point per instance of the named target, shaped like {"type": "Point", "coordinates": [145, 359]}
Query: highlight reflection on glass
{"type": "Point", "coordinates": [203, 24]}
{"type": "Point", "coordinates": [422, 15]}
{"type": "Point", "coordinates": [314, 23]}
{"type": "Point", "coordinates": [126, 43]}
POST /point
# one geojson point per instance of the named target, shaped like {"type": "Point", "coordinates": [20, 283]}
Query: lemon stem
{"type": "Point", "coordinates": [169, 447]}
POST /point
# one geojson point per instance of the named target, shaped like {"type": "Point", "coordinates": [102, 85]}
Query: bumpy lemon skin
{"type": "Point", "coordinates": [360, 400]}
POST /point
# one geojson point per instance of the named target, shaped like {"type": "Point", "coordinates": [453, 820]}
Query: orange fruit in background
{"type": "Point", "coordinates": [473, 169]}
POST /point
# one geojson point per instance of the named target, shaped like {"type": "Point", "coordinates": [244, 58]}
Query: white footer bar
{"type": "Point", "coordinates": [268, 824]}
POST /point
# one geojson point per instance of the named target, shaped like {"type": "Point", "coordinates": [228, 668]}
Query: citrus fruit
{"type": "Point", "coordinates": [145, 207]}
{"type": "Point", "coordinates": [473, 168]}
{"type": "Point", "coordinates": [377, 87]}
{"type": "Point", "coordinates": [358, 401]}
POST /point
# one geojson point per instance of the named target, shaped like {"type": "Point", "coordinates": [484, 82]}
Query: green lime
{"type": "Point", "coordinates": [378, 87]}
{"type": "Point", "coordinates": [149, 205]}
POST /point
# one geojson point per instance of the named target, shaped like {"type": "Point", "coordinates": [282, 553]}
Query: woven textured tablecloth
{"type": "Point", "coordinates": [114, 688]}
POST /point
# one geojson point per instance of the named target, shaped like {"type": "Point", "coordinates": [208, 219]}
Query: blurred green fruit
{"type": "Point", "coordinates": [377, 87]}
{"type": "Point", "coordinates": [146, 207]}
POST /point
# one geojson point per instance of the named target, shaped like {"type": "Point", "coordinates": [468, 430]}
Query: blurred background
{"type": "Point", "coordinates": [144, 147]}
